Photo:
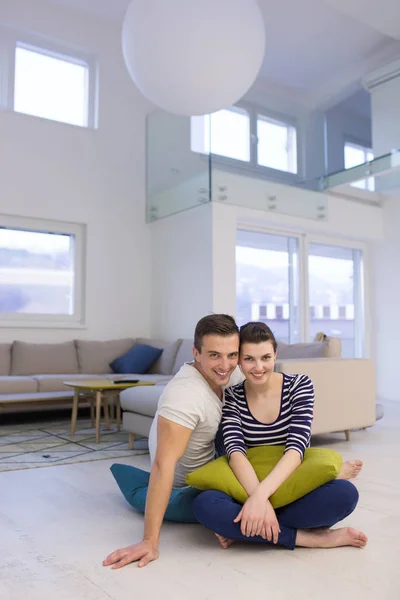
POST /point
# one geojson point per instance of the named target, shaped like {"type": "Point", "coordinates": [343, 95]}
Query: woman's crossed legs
{"type": "Point", "coordinates": [305, 522]}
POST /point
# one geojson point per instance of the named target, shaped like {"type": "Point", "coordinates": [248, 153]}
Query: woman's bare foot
{"type": "Point", "coordinates": [223, 541]}
{"type": "Point", "coordinates": [331, 538]}
{"type": "Point", "coordinates": [350, 469]}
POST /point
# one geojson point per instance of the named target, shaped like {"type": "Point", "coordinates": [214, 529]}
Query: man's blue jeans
{"type": "Point", "coordinates": [324, 507]}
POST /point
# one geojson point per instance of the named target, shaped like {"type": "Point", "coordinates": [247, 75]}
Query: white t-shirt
{"type": "Point", "coordinates": [188, 400]}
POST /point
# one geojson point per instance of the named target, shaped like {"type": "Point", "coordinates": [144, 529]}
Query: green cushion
{"type": "Point", "coordinates": [318, 467]}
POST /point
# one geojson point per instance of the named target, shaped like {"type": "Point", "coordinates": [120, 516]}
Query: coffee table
{"type": "Point", "coordinates": [101, 389]}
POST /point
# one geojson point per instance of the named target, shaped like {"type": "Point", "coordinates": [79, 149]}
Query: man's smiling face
{"type": "Point", "coordinates": [218, 359]}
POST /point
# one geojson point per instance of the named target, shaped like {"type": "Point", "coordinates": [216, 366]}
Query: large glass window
{"type": "Point", "coordinates": [40, 274]}
{"type": "Point", "coordinates": [267, 282]}
{"type": "Point", "coordinates": [335, 284]}
{"type": "Point", "coordinates": [301, 289]}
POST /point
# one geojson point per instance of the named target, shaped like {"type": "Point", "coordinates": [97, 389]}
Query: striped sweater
{"type": "Point", "coordinates": [292, 428]}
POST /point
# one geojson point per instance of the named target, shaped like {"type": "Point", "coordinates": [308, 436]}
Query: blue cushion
{"type": "Point", "coordinates": [134, 482]}
{"type": "Point", "coordinates": [137, 360]}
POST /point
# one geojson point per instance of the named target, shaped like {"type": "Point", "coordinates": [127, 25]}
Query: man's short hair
{"type": "Point", "coordinates": [223, 325]}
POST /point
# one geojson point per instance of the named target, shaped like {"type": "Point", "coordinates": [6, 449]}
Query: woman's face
{"type": "Point", "coordinates": [257, 361]}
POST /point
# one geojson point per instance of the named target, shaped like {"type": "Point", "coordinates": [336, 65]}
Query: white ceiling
{"type": "Point", "coordinates": [318, 49]}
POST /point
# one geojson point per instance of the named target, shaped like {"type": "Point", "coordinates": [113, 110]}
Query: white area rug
{"type": "Point", "coordinates": [47, 444]}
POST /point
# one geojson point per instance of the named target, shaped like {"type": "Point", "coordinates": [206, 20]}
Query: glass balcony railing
{"type": "Point", "coordinates": [189, 165]}
{"type": "Point", "coordinates": [381, 175]}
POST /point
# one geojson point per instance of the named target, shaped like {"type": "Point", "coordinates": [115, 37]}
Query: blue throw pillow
{"type": "Point", "coordinates": [137, 360]}
{"type": "Point", "coordinates": [134, 482]}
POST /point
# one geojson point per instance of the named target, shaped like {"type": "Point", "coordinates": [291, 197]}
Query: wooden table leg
{"type": "Point", "coordinates": [91, 401]}
{"type": "Point", "coordinates": [118, 410]}
{"type": "Point", "coordinates": [74, 412]}
{"type": "Point", "coordinates": [112, 408]}
{"type": "Point", "coordinates": [98, 411]}
{"type": "Point", "coordinates": [106, 411]}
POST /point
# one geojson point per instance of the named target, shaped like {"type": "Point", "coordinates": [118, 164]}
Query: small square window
{"type": "Point", "coordinates": [355, 155]}
{"type": "Point", "coordinates": [51, 86]}
{"type": "Point", "coordinates": [226, 133]}
{"type": "Point", "coordinates": [277, 145]}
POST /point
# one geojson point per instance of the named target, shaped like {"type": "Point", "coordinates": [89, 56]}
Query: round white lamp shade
{"type": "Point", "coordinates": [193, 57]}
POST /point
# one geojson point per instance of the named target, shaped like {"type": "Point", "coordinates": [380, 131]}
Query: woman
{"type": "Point", "coordinates": [271, 408]}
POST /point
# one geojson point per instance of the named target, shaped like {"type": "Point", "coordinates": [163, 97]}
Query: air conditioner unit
{"type": "Point", "coordinates": [382, 75]}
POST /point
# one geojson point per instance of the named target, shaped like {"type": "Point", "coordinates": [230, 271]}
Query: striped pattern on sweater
{"type": "Point", "coordinates": [292, 427]}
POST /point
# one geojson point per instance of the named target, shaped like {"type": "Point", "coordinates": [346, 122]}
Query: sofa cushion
{"type": "Point", "coordinates": [185, 354]}
{"type": "Point", "coordinates": [138, 359]}
{"type": "Point", "coordinates": [142, 400]}
{"type": "Point", "coordinates": [54, 383]}
{"type": "Point", "coordinates": [5, 359]}
{"type": "Point", "coordinates": [96, 356]}
{"type": "Point", "coordinates": [165, 363]}
{"type": "Point", "coordinates": [30, 359]}
{"type": "Point", "coordinates": [18, 385]}
{"type": "Point", "coordinates": [324, 349]}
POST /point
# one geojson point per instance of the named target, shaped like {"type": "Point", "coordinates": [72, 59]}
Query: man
{"type": "Point", "coordinates": [189, 413]}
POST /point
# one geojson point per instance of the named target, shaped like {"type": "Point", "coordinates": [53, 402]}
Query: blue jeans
{"type": "Point", "coordinates": [323, 507]}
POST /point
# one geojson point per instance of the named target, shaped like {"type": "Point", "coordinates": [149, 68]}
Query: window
{"type": "Point", "coordinates": [267, 282]}
{"type": "Point", "coordinates": [355, 155]}
{"type": "Point", "coordinates": [256, 140]}
{"type": "Point", "coordinates": [47, 81]}
{"type": "Point", "coordinates": [277, 145]}
{"type": "Point", "coordinates": [41, 267]}
{"type": "Point", "coordinates": [300, 286]}
{"type": "Point", "coordinates": [336, 295]}
{"type": "Point", "coordinates": [226, 133]}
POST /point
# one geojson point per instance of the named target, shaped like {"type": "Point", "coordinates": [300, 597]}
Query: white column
{"type": "Point", "coordinates": [384, 87]}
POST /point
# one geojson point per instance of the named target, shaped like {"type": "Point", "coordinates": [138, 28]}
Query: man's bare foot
{"type": "Point", "coordinates": [350, 469]}
{"type": "Point", "coordinates": [223, 541]}
{"type": "Point", "coordinates": [331, 538]}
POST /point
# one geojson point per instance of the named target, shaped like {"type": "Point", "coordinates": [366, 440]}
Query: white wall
{"type": "Point", "coordinates": [182, 272]}
{"type": "Point", "coordinates": [97, 177]}
{"type": "Point", "coordinates": [386, 302]}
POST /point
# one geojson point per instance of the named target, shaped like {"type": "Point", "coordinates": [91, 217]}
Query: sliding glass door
{"type": "Point", "coordinates": [301, 286]}
{"type": "Point", "coordinates": [267, 282]}
{"type": "Point", "coordinates": [336, 297]}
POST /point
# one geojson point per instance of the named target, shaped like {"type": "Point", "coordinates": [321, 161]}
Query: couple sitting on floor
{"type": "Point", "coordinates": [259, 407]}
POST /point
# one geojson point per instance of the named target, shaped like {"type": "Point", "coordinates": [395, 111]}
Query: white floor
{"type": "Point", "coordinates": [58, 523]}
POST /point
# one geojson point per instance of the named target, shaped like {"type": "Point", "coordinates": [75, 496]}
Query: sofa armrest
{"type": "Point", "coordinates": [344, 391]}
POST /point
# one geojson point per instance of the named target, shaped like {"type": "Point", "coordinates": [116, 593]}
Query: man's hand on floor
{"type": "Point", "coordinates": [144, 552]}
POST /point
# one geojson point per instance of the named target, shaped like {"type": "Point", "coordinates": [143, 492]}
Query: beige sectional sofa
{"type": "Point", "coordinates": [344, 388]}
{"type": "Point", "coordinates": [32, 375]}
